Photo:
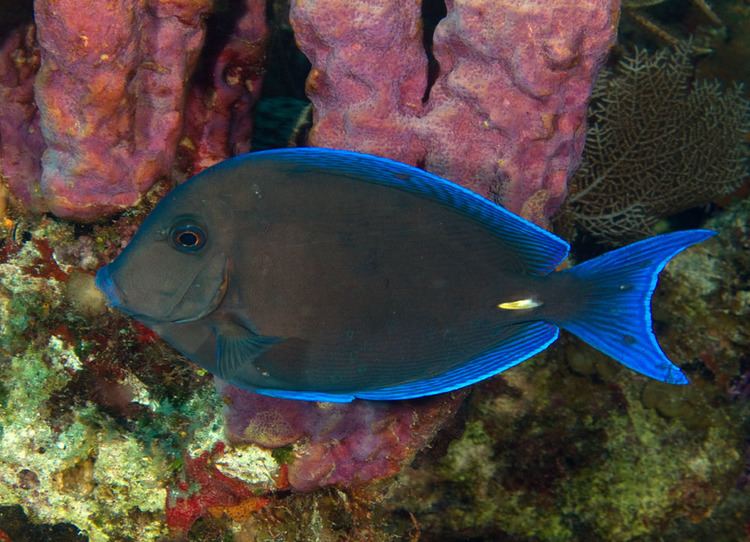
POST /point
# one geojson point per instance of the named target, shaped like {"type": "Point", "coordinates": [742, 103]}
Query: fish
{"type": "Point", "coordinates": [328, 275]}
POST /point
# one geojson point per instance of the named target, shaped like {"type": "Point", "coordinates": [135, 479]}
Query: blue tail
{"type": "Point", "coordinates": [614, 311]}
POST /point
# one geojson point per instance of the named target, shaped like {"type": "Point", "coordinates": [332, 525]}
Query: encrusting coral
{"type": "Point", "coordinates": [100, 425]}
{"type": "Point", "coordinates": [658, 143]}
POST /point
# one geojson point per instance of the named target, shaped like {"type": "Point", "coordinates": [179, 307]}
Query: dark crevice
{"type": "Point", "coordinates": [282, 115]}
{"type": "Point", "coordinates": [220, 26]}
{"type": "Point", "coordinates": [433, 11]}
{"type": "Point", "coordinates": [16, 525]}
{"type": "Point", "coordinates": [286, 66]}
{"type": "Point", "coordinates": [14, 13]}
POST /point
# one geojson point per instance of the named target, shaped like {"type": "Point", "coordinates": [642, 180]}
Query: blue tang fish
{"type": "Point", "coordinates": [329, 275]}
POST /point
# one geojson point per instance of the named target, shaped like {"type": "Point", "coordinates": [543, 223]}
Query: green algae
{"type": "Point", "coordinates": [652, 464]}
{"type": "Point", "coordinates": [68, 453]}
{"type": "Point", "coordinates": [470, 457]}
{"type": "Point", "coordinates": [122, 477]}
{"type": "Point", "coordinates": [283, 455]}
{"type": "Point", "coordinates": [637, 472]}
{"type": "Point", "coordinates": [26, 442]}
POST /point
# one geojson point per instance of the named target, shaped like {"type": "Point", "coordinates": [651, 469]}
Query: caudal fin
{"type": "Point", "coordinates": [614, 313]}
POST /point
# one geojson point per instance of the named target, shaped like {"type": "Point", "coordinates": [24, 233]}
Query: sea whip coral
{"type": "Point", "coordinates": [505, 116]}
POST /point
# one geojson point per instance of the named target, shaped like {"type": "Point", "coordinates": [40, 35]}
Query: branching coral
{"type": "Point", "coordinates": [659, 143]}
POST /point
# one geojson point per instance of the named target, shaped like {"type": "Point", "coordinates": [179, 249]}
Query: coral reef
{"type": "Point", "coordinates": [658, 143]}
{"type": "Point", "coordinates": [105, 429]}
{"type": "Point", "coordinates": [100, 425]}
{"type": "Point", "coordinates": [112, 82]}
{"type": "Point", "coordinates": [505, 116]}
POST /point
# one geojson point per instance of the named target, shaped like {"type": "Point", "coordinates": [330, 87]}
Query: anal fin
{"type": "Point", "coordinates": [529, 339]}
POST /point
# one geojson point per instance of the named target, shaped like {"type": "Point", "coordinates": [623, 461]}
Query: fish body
{"type": "Point", "coordinates": [330, 275]}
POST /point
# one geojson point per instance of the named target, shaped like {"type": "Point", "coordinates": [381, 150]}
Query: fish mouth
{"type": "Point", "coordinates": [109, 288]}
{"type": "Point", "coordinates": [190, 306]}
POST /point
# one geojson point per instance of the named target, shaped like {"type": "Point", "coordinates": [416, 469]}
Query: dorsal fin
{"type": "Point", "coordinates": [538, 249]}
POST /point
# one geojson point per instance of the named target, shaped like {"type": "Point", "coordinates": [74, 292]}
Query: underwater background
{"type": "Point", "coordinates": [107, 434]}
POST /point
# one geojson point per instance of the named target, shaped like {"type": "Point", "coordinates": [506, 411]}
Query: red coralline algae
{"type": "Point", "coordinates": [337, 444]}
{"type": "Point", "coordinates": [45, 265]}
{"type": "Point", "coordinates": [205, 489]}
{"type": "Point", "coordinates": [112, 92]}
{"type": "Point", "coordinates": [505, 116]}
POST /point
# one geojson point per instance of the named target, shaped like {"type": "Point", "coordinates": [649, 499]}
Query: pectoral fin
{"type": "Point", "coordinates": [237, 348]}
{"type": "Point", "coordinates": [252, 361]}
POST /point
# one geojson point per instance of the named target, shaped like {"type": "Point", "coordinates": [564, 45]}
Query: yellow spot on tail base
{"type": "Point", "coordinates": [520, 304]}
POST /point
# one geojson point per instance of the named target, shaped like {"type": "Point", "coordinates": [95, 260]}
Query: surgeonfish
{"type": "Point", "coordinates": [329, 275]}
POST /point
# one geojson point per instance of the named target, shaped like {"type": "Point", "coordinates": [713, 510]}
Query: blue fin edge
{"type": "Point", "coordinates": [532, 338]}
{"type": "Point", "coordinates": [615, 315]}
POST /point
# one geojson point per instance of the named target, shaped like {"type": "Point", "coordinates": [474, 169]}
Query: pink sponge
{"type": "Point", "coordinates": [110, 92]}
{"type": "Point", "coordinates": [343, 444]}
{"type": "Point", "coordinates": [505, 116]}
{"type": "Point", "coordinates": [116, 100]}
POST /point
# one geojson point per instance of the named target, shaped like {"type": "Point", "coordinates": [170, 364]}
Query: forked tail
{"type": "Point", "coordinates": [614, 310]}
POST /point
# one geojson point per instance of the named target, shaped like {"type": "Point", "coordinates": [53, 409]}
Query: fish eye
{"type": "Point", "coordinates": [188, 237]}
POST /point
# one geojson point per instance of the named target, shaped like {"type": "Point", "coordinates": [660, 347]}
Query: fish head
{"type": "Point", "coordinates": [176, 267]}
